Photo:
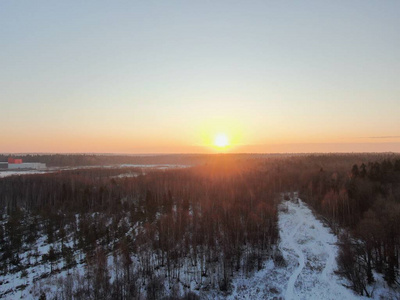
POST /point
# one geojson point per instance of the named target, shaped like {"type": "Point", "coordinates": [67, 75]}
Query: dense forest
{"type": "Point", "coordinates": [365, 201]}
{"type": "Point", "coordinates": [193, 225]}
{"type": "Point", "coordinates": [168, 233]}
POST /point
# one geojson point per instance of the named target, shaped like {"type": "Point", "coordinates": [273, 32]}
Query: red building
{"type": "Point", "coordinates": [14, 160]}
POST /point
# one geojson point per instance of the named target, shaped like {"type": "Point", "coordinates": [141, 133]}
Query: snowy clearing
{"type": "Point", "coordinates": [28, 172]}
{"type": "Point", "coordinates": [309, 251]}
{"type": "Point", "coordinates": [310, 246]}
{"type": "Point", "coordinates": [7, 173]}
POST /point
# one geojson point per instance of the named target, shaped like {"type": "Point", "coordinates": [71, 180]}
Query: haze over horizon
{"type": "Point", "coordinates": [185, 77]}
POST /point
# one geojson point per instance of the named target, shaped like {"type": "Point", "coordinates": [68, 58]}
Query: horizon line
{"type": "Point", "coordinates": [197, 153]}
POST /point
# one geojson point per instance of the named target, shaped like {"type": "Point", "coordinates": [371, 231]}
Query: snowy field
{"type": "Point", "coordinates": [29, 172]}
{"type": "Point", "coordinates": [52, 170]}
{"type": "Point", "coordinates": [124, 166]}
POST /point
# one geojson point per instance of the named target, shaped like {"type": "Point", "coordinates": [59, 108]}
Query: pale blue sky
{"type": "Point", "coordinates": [154, 76]}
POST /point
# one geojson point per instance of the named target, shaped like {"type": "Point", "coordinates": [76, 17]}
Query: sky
{"type": "Point", "coordinates": [170, 76]}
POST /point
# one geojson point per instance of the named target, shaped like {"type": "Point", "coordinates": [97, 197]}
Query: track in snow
{"type": "Point", "coordinates": [310, 251]}
{"type": "Point", "coordinates": [286, 253]}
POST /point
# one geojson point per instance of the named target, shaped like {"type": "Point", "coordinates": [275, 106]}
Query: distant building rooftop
{"type": "Point", "coordinates": [14, 160]}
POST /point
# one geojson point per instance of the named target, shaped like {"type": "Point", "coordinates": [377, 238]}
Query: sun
{"type": "Point", "coordinates": [221, 140]}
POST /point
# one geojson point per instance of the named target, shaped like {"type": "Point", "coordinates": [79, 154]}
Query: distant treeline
{"type": "Point", "coordinates": [71, 160]}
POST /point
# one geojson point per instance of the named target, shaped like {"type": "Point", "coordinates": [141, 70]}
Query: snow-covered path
{"type": "Point", "coordinates": [309, 245]}
{"type": "Point", "coordinates": [309, 250]}
{"type": "Point", "coordinates": [286, 252]}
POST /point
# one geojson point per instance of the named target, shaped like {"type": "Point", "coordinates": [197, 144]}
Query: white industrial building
{"type": "Point", "coordinates": [17, 164]}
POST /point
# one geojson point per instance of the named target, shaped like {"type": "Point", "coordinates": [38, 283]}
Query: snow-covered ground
{"type": "Point", "coordinates": [309, 251]}
{"type": "Point", "coordinates": [125, 166]}
{"type": "Point", "coordinates": [7, 173]}
{"type": "Point", "coordinates": [28, 172]}
{"type": "Point", "coordinates": [310, 246]}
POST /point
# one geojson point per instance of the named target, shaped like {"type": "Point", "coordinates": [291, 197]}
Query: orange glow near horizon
{"type": "Point", "coordinates": [212, 136]}
{"type": "Point", "coordinates": [215, 134]}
